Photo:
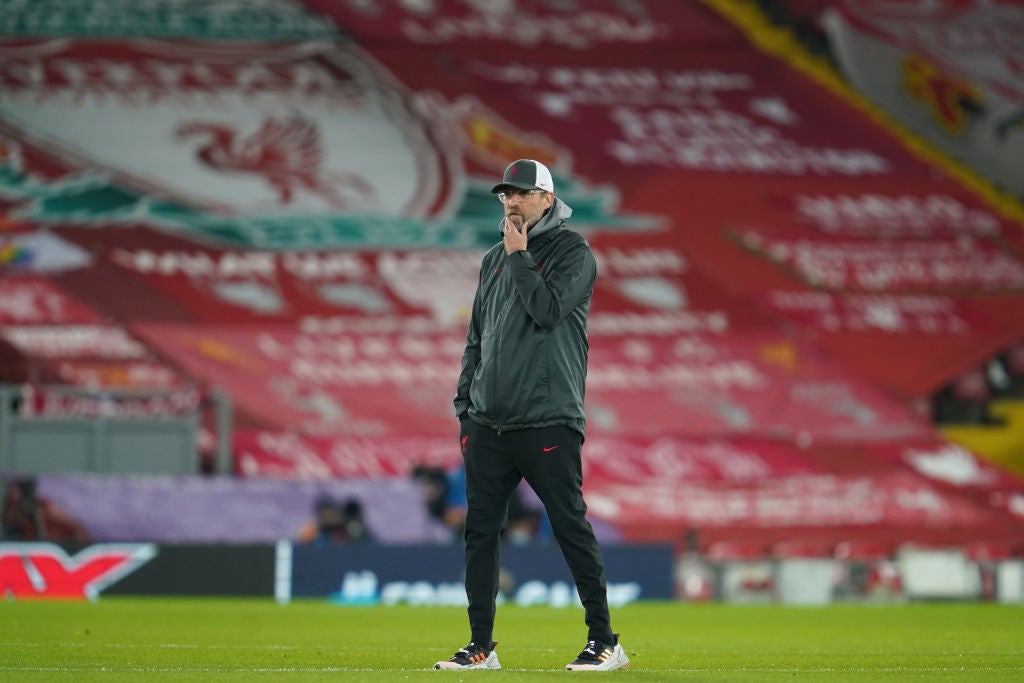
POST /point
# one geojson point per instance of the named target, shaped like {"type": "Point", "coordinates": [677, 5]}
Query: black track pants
{"type": "Point", "coordinates": [549, 460]}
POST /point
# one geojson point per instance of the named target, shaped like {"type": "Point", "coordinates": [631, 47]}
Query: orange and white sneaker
{"type": "Point", "coordinates": [598, 656]}
{"type": "Point", "coordinates": [472, 656]}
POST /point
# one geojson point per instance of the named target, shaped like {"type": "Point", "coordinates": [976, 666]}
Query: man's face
{"type": "Point", "coordinates": [528, 205]}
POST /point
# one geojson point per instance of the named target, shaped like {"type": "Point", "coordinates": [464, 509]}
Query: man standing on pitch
{"type": "Point", "coordinates": [520, 407]}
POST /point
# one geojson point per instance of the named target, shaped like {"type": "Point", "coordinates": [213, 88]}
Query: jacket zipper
{"type": "Point", "coordinates": [499, 323]}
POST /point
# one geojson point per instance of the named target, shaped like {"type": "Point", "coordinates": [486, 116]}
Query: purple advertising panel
{"type": "Point", "coordinates": [432, 575]}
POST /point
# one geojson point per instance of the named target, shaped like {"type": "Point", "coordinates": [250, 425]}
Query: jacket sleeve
{"type": "Point", "coordinates": [470, 356]}
{"type": "Point", "coordinates": [571, 278]}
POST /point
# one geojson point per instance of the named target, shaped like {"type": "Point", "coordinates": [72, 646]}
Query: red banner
{"type": "Point", "coordinates": [760, 190]}
{"type": "Point", "coordinates": [659, 488]}
{"type": "Point", "coordinates": [529, 24]}
{"type": "Point", "coordinates": [910, 286]}
{"type": "Point", "coordinates": [723, 487]}
{"type": "Point", "coordinates": [773, 267]}
{"type": "Point", "coordinates": [656, 380]}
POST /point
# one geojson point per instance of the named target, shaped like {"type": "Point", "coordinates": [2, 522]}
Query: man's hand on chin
{"type": "Point", "coordinates": [514, 234]}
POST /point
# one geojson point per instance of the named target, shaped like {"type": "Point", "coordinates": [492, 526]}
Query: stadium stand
{"type": "Point", "coordinates": [292, 218]}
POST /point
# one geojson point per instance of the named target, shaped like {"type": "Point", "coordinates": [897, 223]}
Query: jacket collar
{"type": "Point", "coordinates": [554, 218]}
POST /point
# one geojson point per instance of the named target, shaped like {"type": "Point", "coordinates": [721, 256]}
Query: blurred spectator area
{"type": "Point", "coordinates": [801, 16]}
{"type": "Point", "coordinates": [983, 409]}
{"type": "Point", "coordinates": [29, 516]}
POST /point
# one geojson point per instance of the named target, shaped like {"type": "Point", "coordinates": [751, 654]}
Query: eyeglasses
{"type": "Point", "coordinates": [503, 197]}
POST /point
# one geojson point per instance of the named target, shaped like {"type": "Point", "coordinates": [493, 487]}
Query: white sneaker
{"type": "Point", "coordinates": [598, 656]}
{"type": "Point", "coordinates": [472, 656]}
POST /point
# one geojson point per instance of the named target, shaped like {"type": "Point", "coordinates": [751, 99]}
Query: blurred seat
{"type": "Point", "coordinates": [862, 551]}
{"type": "Point", "coordinates": [866, 572]}
{"type": "Point", "coordinates": [801, 548]}
{"type": "Point", "coordinates": [729, 550]}
{"type": "Point", "coordinates": [743, 570]}
{"type": "Point", "coordinates": [937, 572]}
{"type": "Point", "coordinates": [804, 572]}
{"type": "Point", "coordinates": [1015, 369]}
{"type": "Point", "coordinates": [988, 556]}
{"type": "Point", "coordinates": [965, 400]}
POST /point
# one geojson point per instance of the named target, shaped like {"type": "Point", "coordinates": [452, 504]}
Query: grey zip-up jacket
{"type": "Point", "coordinates": [525, 362]}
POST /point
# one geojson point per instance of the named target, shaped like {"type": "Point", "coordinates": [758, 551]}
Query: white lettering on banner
{"type": "Point", "coordinates": [658, 324]}
{"type": "Point", "coordinates": [580, 30]}
{"type": "Point", "coordinates": [376, 362]}
{"type": "Point", "coordinates": [602, 323]}
{"type": "Point", "coordinates": [31, 302]}
{"type": "Point", "coordinates": [347, 348]}
{"type": "Point", "coordinates": [674, 460]}
{"type": "Point", "coordinates": [357, 458]}
{"type": "Point", "coordinates": [724, 141]}
{"type": "Point", "coordinates": [351, 457]}
{"type": "Point", "coordinates": [677, 121]}
{"type": "Point", "coordinates": [73, 340]}
{"type": "Point", "coordinates": [349, 461]}
{"type": "Point", "coordinates": [740, 374]}
{"type": "Point", "coordinates": [303, 461]}
{"type": "Point", "coordinates": [147, 375]}
{"type": "Point", "coordinates": [654, 86]}
{"type": "Point", "coordinates": [817, 500]}
{"type": "Point", "coordinates": [423, 593]}
{"type": "Point", "coordinates": [558, 594]}
{"type": "Point", "coordinates": [836, 398]}
{"type": "Point", "coordinates": [263, 264]}
{"type": "Point", "coordinates": [152, 78]}
{"type": "Point", "coordinates": [654, 261]}
{"type": "Point", "coordinates": [348, 338]}
{"type": "Point", "coordinates": [441, 281]}
{"type": "Point", "coordinates": [358, 588]}
{"type": "Point", "coordinates": [340, 324]}
{"type": "Point", "coordinates": [198, 264]}
{"type": "Point", "coordinates": [370, 373]}
{"type": "Point", "coordinates": [694, 348]}
{"type": "Point", "coordinates": [670, 462]}
{"type": "Point", "coordinates": [898, 313]}
{"type": "Point", "coordinates": [336, 347]}
{"type": "Point", "coordinates": [531, 593]}
{"type": "Point", "coordinates": [912, 264]}
{"type": "Point", "coordinates": [325, 266]}
{"type": "Point", "coordinates": [404, 273]}
{"type": "Point", "coordinates": [351, 346]}
{"type": "Point", "coordinates": [885, 215]}
{"type": "Point", "coordinates": [802, 300]}
{"type": "Point", "coordinates": [820, 301]}
{"type": "Point", "coordinates": [610, 87]}
{"type": "Point", "coordinates": [922, 500]}
{"type": "Point", "coordinates": [430, 263]}
{"type": "Point", "coordinates": [48, 402]}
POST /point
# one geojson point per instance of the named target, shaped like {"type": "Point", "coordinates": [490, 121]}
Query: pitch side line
{"type": "Point", "coordinates": [342, 669]}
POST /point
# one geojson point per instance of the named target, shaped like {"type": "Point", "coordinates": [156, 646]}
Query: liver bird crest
{"type": "Point", "coordinates": [287, 152]}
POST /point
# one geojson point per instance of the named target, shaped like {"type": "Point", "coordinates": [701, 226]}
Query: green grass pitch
{"type": "Point", "coordinates": [191, 639]}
